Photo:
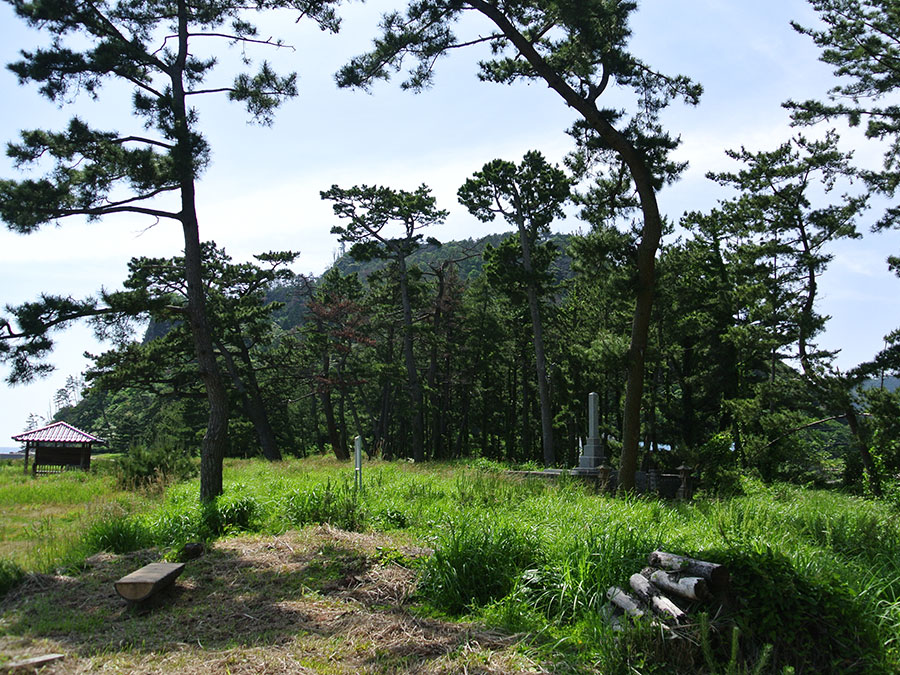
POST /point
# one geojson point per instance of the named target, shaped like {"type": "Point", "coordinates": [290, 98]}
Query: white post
{"type": "Point", "coordinates": [358, 458]}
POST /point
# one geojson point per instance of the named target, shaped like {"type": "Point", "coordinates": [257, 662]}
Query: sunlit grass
{"type": "Point", "coordinates": [527, 554]}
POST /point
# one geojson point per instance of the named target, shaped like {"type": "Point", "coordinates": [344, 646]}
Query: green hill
{"type": "Point", "coordinates": [467, 253]}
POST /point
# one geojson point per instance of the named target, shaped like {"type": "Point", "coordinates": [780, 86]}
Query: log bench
{"type": "Point", "coordinates": [142, 583]}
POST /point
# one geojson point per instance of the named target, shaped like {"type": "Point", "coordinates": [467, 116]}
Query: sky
{"type": "Point", "coordinates": [261, 191]}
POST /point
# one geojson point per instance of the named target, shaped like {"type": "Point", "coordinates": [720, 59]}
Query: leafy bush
{"type": "Point", "coordinates": [142, 465]}
{"type": "Point", "coordinates": [716, 464]}
{"type": "Point", "coordinates": [813, 618]}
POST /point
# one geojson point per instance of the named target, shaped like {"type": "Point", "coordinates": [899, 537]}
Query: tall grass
{"type": "Point", "coordinates": [477, 562]}
{"type": "Point", "coordinates": [816, 574]}
{"type": "Point", "coordinates": [69, 487]}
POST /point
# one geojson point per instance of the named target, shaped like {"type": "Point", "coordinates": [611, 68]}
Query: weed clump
{"type": "Point", "coordinates": [336, 503]}
{"type": "Point", "coordinates": [235, 511]}
{"type": "Point", "coordinates": [116, 532]}
{"type": "Point", "coordinates": [477, 562]}
{"type": "Point", "coordinates": [573, 581]}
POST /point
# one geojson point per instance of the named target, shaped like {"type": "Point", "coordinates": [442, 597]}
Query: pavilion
{"type": "Point", "coordinates": [58, 447]}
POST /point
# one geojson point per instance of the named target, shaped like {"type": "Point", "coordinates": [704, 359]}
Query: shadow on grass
{"type": "Point", "coordinates": [328, 596]}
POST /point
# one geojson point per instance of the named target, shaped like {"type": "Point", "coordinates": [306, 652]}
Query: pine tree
{"type": "Point", "coordinates": [155, 47]}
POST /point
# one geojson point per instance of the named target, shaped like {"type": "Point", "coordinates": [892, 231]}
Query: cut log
{"type": "Point", "coordinates": [651, 595]}
{"type": "Point", "coordinates": [692, 588]}
{"type": "Point", "coordinates": [624, 601]}
{"type": "Point", "coordinates": [143, 583]}
{"type": "Point", "coordinates": [717, 575]}
{"type": "Point", "coordinates": [609, 613]}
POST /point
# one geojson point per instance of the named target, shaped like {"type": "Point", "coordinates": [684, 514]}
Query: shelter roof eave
{"type": "Point", "coordinates": [58, 432]}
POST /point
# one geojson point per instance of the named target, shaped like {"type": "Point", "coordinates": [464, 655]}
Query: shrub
{"type": "Point", "coordinates": [142, 465]}
{"type": "Point", "coordinates": [813, 618]}
{"type": "Point", "coordinates": [716, 463]}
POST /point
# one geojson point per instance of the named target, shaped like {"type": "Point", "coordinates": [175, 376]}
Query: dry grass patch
{"type": "Point", "coordinates": [317, 601]}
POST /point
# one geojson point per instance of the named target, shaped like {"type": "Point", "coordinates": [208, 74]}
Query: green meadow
{"type": "Point", "coordinates": [815, 575]}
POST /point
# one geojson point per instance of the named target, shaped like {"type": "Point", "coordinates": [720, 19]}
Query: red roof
{"type": "Point", "coordinates": [58, 432]}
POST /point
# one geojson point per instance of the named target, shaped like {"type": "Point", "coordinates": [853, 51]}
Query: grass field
{"type": "Point", "coordinates": [437, 568]}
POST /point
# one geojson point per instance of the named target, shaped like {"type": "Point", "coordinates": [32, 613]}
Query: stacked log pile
{"type": "Point", "coordinates": [668, 587]}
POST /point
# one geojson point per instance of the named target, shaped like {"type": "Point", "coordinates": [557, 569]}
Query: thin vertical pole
{"type": "Point", "coordinates": [358, 458]}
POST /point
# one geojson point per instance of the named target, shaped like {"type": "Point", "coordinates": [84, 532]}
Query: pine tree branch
{"type": "Point", "coordinates": [141, 139]}
{"type": "Point", "coordinates": [236, 38]}
{"type": "Point", "coordinates": [218, 90]}
{"type": "Point", "coordinates": [106, 210]}
{"type": "Point", "coordinates": [10, 334]}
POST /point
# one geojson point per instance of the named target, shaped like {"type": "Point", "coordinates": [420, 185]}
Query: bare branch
{"type": "Point", "coordinates": [236, 38]}
{"type": "Point", "coordinates": [105, 210]}
{"type": "Point", "coordinates": [148, 195]}
{"type": "Point", "coordinates": [219, 90]}
{"type": "Point", "coordinates": [477, 41]}
{"type": "Point", "coordinates": [140, 139]}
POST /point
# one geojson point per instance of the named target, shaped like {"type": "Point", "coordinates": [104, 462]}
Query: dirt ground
{"type": "Point", "coordinates": [318, 601]}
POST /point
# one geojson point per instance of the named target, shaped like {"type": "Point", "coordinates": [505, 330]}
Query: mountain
{"type": "Point", "coordinates": [890, 383]}
{"type": "Point", "coordinates": [467, 252]}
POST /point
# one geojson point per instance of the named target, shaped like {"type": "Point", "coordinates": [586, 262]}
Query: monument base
{"type": "Point", "coordinates": [593, 455]}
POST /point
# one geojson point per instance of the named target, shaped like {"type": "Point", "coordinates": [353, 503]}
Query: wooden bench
{"type": "Point", "coordinates": [142, 583]}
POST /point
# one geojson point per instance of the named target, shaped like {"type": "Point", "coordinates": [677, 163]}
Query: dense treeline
{"type": "Point", "coordinates": [702, 344]}
{"type": "Point", "coordinates": [723, 388]}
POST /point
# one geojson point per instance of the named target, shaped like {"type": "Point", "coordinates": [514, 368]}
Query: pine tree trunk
{"type": "Point", "coordinates": [650, 233]}
{"type": "Point", "coordinates": [415, 389]}
{"type": "Point", "coordinates": [254, 407]}
{"type": "Point", "coordinates": [215, 441]}
{"type": "Point", "coordinates": [260, 416]}
{"type": "Point", "coordinates": [640, 329]}
{"type": "Point", "coordinates": [320, 441]}
{"type": "Point", "coordinates": [540, 360]}
{"type": "Point", "coordinates": [342, 420]}
{"type": "Point", "coordinates": [867, 461]}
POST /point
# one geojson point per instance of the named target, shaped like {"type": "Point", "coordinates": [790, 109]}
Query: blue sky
{"type": "Point", "coordinates": [261, 191]}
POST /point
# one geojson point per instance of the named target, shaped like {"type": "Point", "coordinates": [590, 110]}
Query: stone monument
{"type": "Point", "coordinates": [592, 454]}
